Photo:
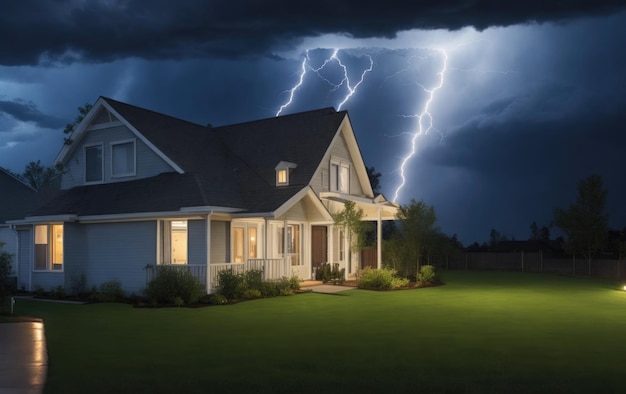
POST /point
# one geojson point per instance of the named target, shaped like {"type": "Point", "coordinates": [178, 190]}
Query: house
{"type": "Point", "coordinates": [142, 189]}
{"type": "Point", "coordinates": [17, 198]}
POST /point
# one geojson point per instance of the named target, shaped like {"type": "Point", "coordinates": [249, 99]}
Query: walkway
{"type": "Point", "coordinates": [319, 287]}
{"type": "Point", "coordinates": [23, 358]}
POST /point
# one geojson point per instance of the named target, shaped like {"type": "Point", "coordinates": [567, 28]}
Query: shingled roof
{"type": "Point", "coordinates": [16, 198]}
{"type": "Point", "coordinates": [228, 166]}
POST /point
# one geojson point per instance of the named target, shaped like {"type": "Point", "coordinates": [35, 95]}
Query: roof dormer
{"type": "Point", "coordinates": [283, 170]}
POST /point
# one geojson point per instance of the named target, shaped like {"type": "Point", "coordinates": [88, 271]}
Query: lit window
{"type": "Point", "coordinates": [93, 163]}
{"type": "Point", "coordinates": [174, 242]}
{"type": "Point", "coordinates": [282, 176]}
{"type": "Point", "coordinates": [179, 242]}
{"type": "Point", "coordinates": [240, 234]}
{"type": "Point", "coordinates": [283, 170]}
{"type": "Point", "coordinates": [49, 247]}
{"type": "Point", "coordinates": [339, 177]}
{"type": "Point", "coordinates": [123, 159]}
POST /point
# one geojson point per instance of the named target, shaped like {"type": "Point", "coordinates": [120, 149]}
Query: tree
{"type": "Point", "coordinates": [69, 128]}
{"type": "Point", "coordinates": [495, 238]}
{"type": "Point", "coordinates": [418, 230]}
{"type": "Point", "coordinates": [37, 175]}
{"type": "Point", "coordinates": [585, 223]}
{"type": "Point", "coordinates": [350, 220]}
{"type": "Point", "coordinates": [539, 233]}
{"type": "Point", "coordinates": [374, 178]}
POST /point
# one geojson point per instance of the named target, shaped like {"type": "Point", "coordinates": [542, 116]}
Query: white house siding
{"type": "Point", "coordinates": [196, 241]}
{"type": "Point", "coordinates": [220, 242]}
{"type": "Point", "coordinates": [24, 258]}
{"type": "Point", "coordinates": [296, 212]}
{"type": "Point", "coordinates": [113, 251]}
{"type": "Point", "coordinates": [9, 239]}
{"type": "Point", "coordinates": [148, 163]}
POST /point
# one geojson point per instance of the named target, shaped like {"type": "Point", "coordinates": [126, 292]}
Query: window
{"type": "Point", "coordinates": [281, 177]}
{"type": "Point", "coordinates": [49, 247]}
{"type": "Point", "coordinates": [244, 241]}
{"type": "Point", "coordinates": [179, 242]}
{"type": "Point", "coordinates": [293, 241]}
{"type": "Point", "coordinates": [93, 163]}
{"type": "Point", "coordinates": [123, 158]}
{"type": "Point", "coordinates": [174, 237]}
{"type": "Point", "coordinates": [339, 177]}
{"type": "Point", "coordinates": [283, 170]}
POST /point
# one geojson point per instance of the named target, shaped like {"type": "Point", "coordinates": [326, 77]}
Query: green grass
{"type": "Point", "coordinates": [483, 332]}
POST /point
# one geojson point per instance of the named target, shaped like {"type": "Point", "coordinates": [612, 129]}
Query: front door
{"type": "Point", "coordinates": [319, 245]}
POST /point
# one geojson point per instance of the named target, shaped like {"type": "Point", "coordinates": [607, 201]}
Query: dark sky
{"type": "Point", "coordinates": [531, 99]}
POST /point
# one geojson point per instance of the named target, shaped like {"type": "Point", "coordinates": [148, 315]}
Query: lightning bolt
{"type": "Point", "coordinates": [424, 121]}
{"type": "Point", "coordinates": [292, 91]}
{"type": "Point", "coordinates": [318, 71]}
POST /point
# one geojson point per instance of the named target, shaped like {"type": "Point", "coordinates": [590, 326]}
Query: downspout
{"type": "Point", "coordinates": [379, 240]}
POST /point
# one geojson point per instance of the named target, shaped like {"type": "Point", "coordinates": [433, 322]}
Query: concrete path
{"type": "Point", "coordinates": [23, 358]}
{"type": "Point", "coordinates": [327, 289]}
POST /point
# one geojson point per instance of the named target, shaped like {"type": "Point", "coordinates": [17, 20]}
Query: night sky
{"type": "Point", "coordinates": [531, 100]}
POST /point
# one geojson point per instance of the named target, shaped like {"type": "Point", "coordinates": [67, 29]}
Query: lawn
{"type": "Point", "coordinates": [483, 332]}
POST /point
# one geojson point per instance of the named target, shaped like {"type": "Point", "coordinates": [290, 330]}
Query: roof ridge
{"type": "Point", "coordinates": [108, 99]}
{"type": "Point", "coordinates": [270, 118]}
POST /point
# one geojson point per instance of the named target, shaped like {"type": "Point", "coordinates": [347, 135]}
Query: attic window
{"type": "Point", "coordinates": [283, 170]}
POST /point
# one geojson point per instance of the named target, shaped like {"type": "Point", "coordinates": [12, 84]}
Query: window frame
{"type": "Point", "coordinates": [132, 141]}
{"type": "Point", "coordinates": [335, 169]}
{"type": "Point", "coordinates": [85, 166]}
{"type": "Point", "coordinates": [51, 251]}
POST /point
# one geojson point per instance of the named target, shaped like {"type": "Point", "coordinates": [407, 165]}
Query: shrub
{"type": "Point", "coordinates": [110, 291]}
{"type": "Point", "coordinates": [172, 282]}
{"type": "Point", "coordinates": [327, 272]}
{"type": "Point", "coordinates": [178, 301]}
{"type": "Point", "coordinates": [294, 283]}
{"type": "Point", "coordinates": [57, 292]}
{"type": "Point", "coordinates": [427, 274]}
{"type": "Point", "coordinates": [39, 291]}
{"type": "Point", "coordinates": [399, 282]}
{"type": "Point", "coordinates": [382, 279]}
{"type": "Point", "coordinates": [253, 279]}
{"type": "Point", "coordinates": [6, 287]}
{"type": "Point", "coordinates": [251, 294]}
{"type": "Point", "coordinates": [376, 279]}
{"type": "Point", "coordinates": [78, 284]}
{"type": "Point", "coordinates": [232, 285]}
{"type": "Point", "coordinates": [213, 299]}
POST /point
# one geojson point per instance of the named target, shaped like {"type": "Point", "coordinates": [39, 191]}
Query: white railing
{"type": "Point", "coordinates": [236, 268]}
{"type": "Point", "coordinates": [197, 270]}
{"type": "Point", "coordinates": [272, 269]}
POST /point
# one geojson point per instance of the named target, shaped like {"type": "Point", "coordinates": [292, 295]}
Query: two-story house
{"type": "Point", "coordinates": [142, 189]}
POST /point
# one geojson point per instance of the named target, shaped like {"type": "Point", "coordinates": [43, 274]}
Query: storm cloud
{"type": "Point", "coordinates": [66, 31]}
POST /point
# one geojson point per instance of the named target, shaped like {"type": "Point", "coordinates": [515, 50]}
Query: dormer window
{"type": "Point", "coordinates": [283, 170]}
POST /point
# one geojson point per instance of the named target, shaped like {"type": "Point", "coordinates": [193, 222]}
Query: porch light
{"type": "Point", "coordinates": [624, 287]}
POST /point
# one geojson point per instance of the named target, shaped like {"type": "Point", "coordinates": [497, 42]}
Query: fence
{"type": "Point", "coordinates": [534, 262]}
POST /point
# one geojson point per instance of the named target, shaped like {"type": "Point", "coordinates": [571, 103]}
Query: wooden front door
{"type": "Point", "coordinates": [319, 245]}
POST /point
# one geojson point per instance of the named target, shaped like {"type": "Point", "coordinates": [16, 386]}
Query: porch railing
{"type": "Point", "coordinates": [272, 269]}
{"type": "Point", "coordinates": [197, 270]}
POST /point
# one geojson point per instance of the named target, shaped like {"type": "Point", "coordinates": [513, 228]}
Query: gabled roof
{"type": "Point", "coordinates": [230, 166]}
{"type": "Point", "coordinates": [17, 198]}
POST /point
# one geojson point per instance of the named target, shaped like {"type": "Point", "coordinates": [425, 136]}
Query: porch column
{"type": "Point", "coordinates": [208, 253]}
{"type": "Point", "coordinates": [379, 239]}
